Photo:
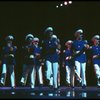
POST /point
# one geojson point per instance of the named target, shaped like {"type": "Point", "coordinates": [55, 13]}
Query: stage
{"type": "Point", "coordinates": [49, 93]}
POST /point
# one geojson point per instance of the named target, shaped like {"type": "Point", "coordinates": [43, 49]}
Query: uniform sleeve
{"type": "Point", "coordinates": [15, 48]}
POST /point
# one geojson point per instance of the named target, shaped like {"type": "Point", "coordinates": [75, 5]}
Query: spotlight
{"type": "Point", "coordinates": [65, 3]}
{"type": "Point", "coordinates": [57, 6]}
{"type": "Point", "coordinates": [61, 5]}
{"type": "Point", "coordinates": [70, 2]}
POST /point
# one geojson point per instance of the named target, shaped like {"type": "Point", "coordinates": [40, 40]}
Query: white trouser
{"type": "Point", "coordinates": [58, 75]}
{"type": "Point", "coordinates": [40, 75]}
{"type": "Point", "coordinates": [81, 70]}
{"type": "Point", "coordinates": [12, 74]}
{"type": "Point", "coordinates": [97, 72]}
{"type": "Point", "coordinates": [68, 74]}
{"type": "Point", "coordinates": [28, 69]}
{"type": "Point", "coordinates": [52, 72]}
{"type": "Point", "coordinates": [55, 74]}
{"type": "Point", "coordinates": [49, 70]}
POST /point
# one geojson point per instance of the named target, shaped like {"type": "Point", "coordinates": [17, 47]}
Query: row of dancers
{"type": "Point", "coordinates": [74, 59]}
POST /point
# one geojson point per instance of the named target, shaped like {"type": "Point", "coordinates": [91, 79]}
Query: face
{"type": "Point", "coordinates": [68, 45]}
{"type": "Point", "coordinates": [50, 34]}
{"type": "Point", "coordinates": [96, 41]}
{"type": "Point", "coordinates": [36, 42]}
{"type": "Point", "coordinates": [9, 43]}
{"type": "Point", "coordinates": [29, 40]}
{"type": "Point", "coordinates": [79, 36]}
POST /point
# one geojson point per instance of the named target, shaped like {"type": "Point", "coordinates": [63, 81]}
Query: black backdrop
{"type": "Point", "coordinates": [19, 18]}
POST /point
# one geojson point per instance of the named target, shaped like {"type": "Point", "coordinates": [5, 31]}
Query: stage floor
{"type": "Point", "coordinates": [48, 93]}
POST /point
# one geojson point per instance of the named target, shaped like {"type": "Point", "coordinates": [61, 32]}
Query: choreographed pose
{"type": "Point", "coordinates": [9, 62]}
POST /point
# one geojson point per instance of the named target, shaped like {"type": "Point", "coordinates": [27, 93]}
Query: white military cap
{"type": "Point", "coordinates": [96, 37]}
{"type": "Point", "coordinates": [69, 41]}
{"type": "Point", "coordinates": [9, 37]}
{"type": "Point", "coordinates": [49, 29]}
{"type": "Point", "coordinates": [79, 31]}
{"type": "Point", "coordinates": [54, 36]}
{"type": "Point", "coordinates": [29, 35]}
{"type": "Point", "coordinates": [36, 39]}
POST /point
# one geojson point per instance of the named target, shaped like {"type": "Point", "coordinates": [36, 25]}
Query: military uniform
{"type": "Point", "coordinates": [9, 61]}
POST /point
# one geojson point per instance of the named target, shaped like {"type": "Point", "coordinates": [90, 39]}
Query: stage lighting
{"type": "Point", "coordinates": [61, 4]}
{"type": "Point", "coordinates": [65, 3]}
{"type": "Point", "coordinates": [57, 6]}
{"type": "Point", "coordinates": [70, 2]}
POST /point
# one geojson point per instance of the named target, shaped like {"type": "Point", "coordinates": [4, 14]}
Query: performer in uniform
{"type": "Point", "coordinates": [28, 61]}
{"type": "Point", "coordinates": [38, 60]}
{"type": "Point", "coordinates": [51, 57]}
{"type": "Point", "coordinates": [47, 37]}
{"type": "Point", "coordinates": [9, 62]}
{"type": "Point", "coordinates": [68, 63]}
{"type": "Point", "coordinates": [79, 46]}
{"type": "Point", "coordinates": [95, 49]}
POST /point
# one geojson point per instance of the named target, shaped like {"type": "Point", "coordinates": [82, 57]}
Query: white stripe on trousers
{"type": "Point", "coordinates": [11, 71]}
{"type": "Point", "coordinates": [40, 75]}
{"type": "Point", "coordinates": [68, 74]}
{"type": "Point", "coordinates": [28, 69]}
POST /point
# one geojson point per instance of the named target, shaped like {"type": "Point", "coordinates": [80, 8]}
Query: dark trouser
{"type": "Point", "coordinates": [4, 72]}
{"type": "Point", "coordinates": [28, 69]}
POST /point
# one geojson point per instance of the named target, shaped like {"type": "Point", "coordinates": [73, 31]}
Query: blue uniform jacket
{"type": "Point", "coordinates": [96, 51]}
{"type": "Point", "coordinates": [9, 59]}
{"type": "Point", "coordinates": [70, 62]}
{"type": "Point", "coordinates": [78, 45]}
{"type": "Point", "coordinates": [27, 51]}
{"type": "Point", "coordinates": [37, 50]}
{"type": "Point", "coordinates": [50, 49]}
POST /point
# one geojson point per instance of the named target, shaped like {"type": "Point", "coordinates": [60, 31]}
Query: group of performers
{"type": "Point", "coordinates": [34, 56]}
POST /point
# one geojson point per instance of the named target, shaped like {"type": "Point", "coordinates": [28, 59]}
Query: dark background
{"type": "Point", "coordinates": [19, 18]}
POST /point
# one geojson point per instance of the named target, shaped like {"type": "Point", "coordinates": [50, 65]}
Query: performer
{"type": "Point", "coordinates": [68, 62]}
{"type": "Point", "coordinates": [9, 62]}
{"type": "Point", "coordinates": [58, 50]}
{"type": "Point", "coordinates": [28, 61]}
{"type": "Point", "coordinates": [59, 54]}
{"type": "Point", "coordinates": [38, 60]}
{"type": "Point", "coordinates": [95, 49]}
{"type": "Point", "coordinates": [51, 57]}
{"type": "Point", "coordinates": [47, 37]}
{"type": "Point", "coordinates": [79, 46]}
